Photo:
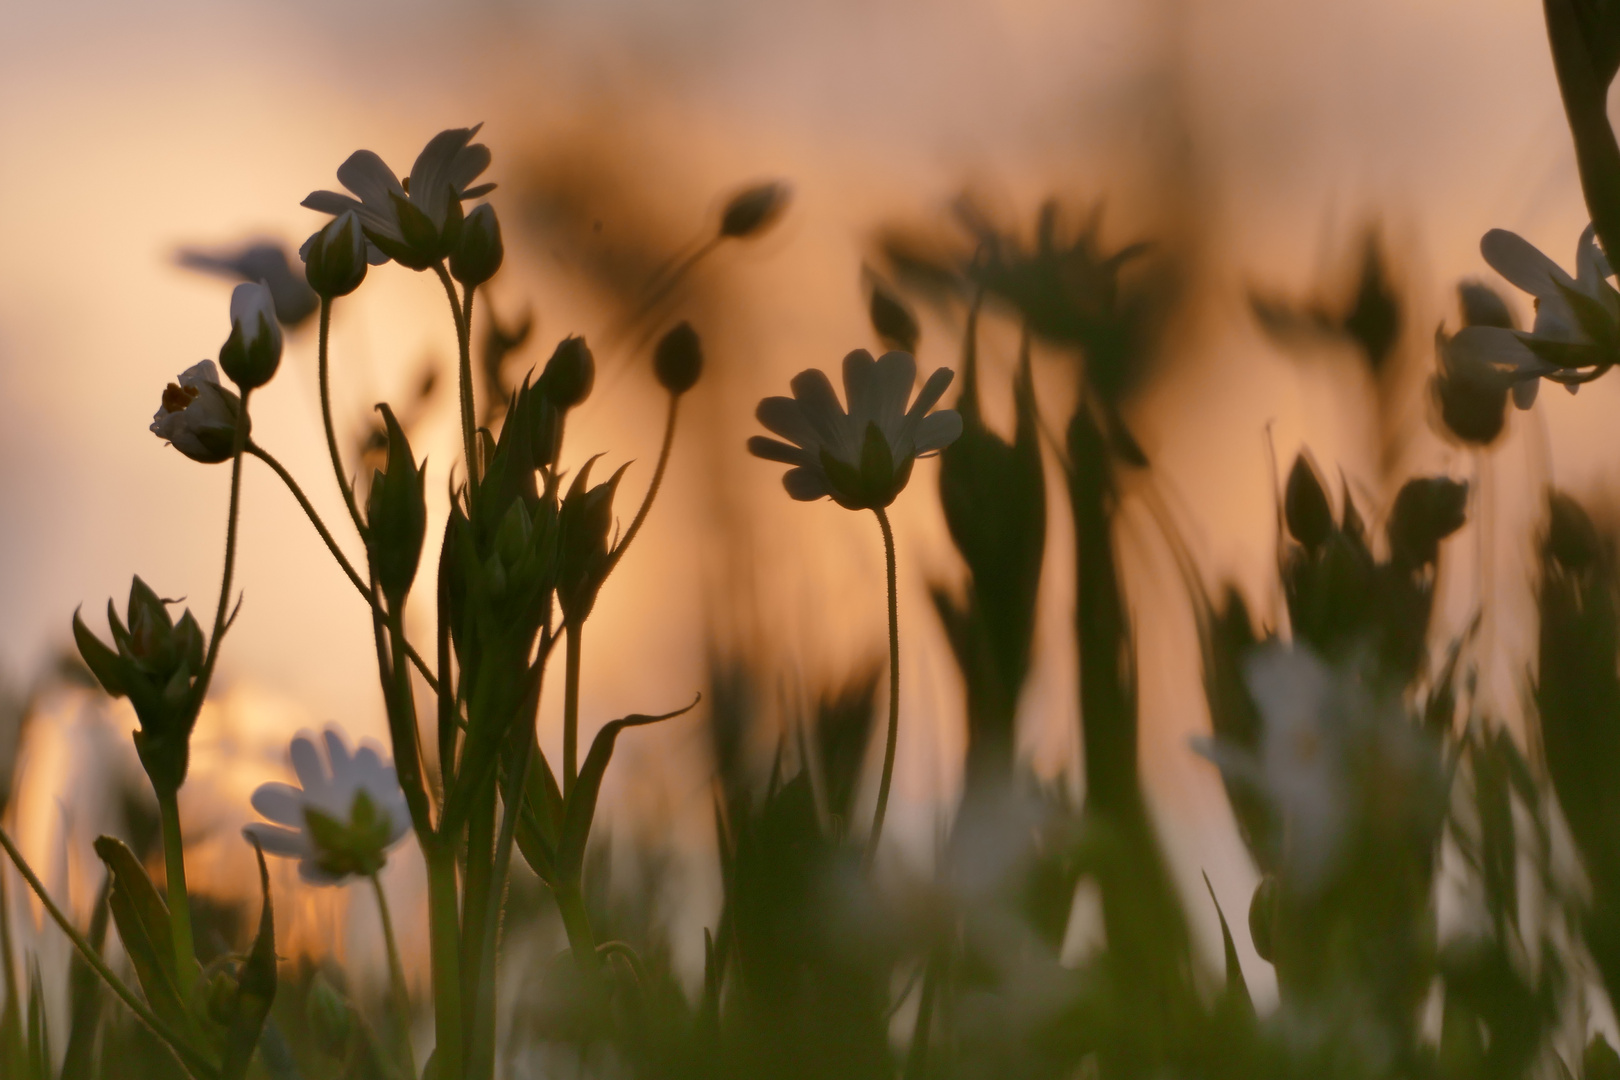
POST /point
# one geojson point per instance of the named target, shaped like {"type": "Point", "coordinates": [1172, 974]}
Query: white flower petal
{"type": "Point", "coordinates": [311, 872]}
{"type": "Point", "coordinates": [818, 402]}
{"type": "Point", "coordinates": [785, 417]}
{"type": "Point", "coordinates": [1496, 348]}
{"type": "Point", "coordinates": [1590, 265]}
{"type": "Point", "coordinates": [806, 484]}
{"type": "Point", "coordinates": [337, 752]}
{"type": "Point", "coordinates": [771, 450]}
{"type": "Point", "coordinates": [860, 393]}
{"type": "Point", "coordinates": [307, 765]}
{"type": "Point", "coordinates": [289, 843]}
{"type": "Point", "coordinates": [1516, 259]}
{"type": "Point", "coordinates": [1524, 393]}
{"type": "Point", "coordinates": [203, 371]}
{"type": "Point", "coordinates": [281, 803]}
{"type": "Point", "coordinates": [432, 176]}
{"type": "Point", "coordinates": [892, 379]}
{"type": "Point", "coordinates": [937, 430]}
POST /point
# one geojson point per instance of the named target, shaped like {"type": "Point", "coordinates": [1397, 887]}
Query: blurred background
{"type": "Point", "coordinates": [1260, 146]}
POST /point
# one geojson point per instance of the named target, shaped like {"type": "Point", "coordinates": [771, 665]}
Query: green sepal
{"type": "Point", "coordinates": [142, 919]}
{"type": "Point", "coordinates": [420, 250]}
{"type": "Point", "coordinates": [1596, 318]}
{"type": "Point", "coordinates": [396, 515]}
{"type": "Point", "coordinates": [1568, 355]}
{"type": "Point", "coordinates": [105, 664]}
{"type": "Point", "coordinates": [581, 805]}
{"type": "Point", "coordinates": [255, 988]}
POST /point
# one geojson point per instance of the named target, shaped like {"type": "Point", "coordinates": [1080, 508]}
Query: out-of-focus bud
{"type": "Point", "coordinates": [678, 360]}
{"type": "Point", "coordinates": [252, 353]}
{"type": "Point", "coordinates": [198, 416]}
{"type": "Point", "coordinates": [1427, 510]}
{"type": "Point", "coordinates": [1483, 306]}
{"type": "Point", "coordinates": [396, 516]}
{"type": "Point", "coordinates": [331, 1020]}
{"type": "Point", "coordinates": [754, 210]}
{"type": "Point", "coordinates": [895, 325]}
{"type": "Point", "coordinates": [1263, 916]}
{"type": "Point", "coordinates": [478, 251]}
{"type": "Point", "coordinates": [1573, 541]}
{"type": "Point", "coordinates": [153, 661]}
{"type": "Point", "coordinates": [335, 257]}
{"type": "Point", "coordinates": [1305, 506]}
{"type": "Point", "coordinates": [569, 374]}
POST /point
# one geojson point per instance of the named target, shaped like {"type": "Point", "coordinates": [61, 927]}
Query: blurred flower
{"type": "Point", "coordinates": [251, 355]}
{"type": "Point", "coordinates": [341, 821]}
{"type": "Point", "coordinates": [1577, 322]}
{"type": "Point", "coordinates": [861, 458]}
{"type": "Point", "coordinates": [336, 255]}
{"type": "Point", "coordinates": [198, 416]}
{"type": "Point", "coordinates": [415, 223]}
{"type": "Point", "coordinates": [261, 260]}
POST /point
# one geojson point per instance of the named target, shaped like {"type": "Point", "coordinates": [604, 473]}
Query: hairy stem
{"type": "Point", "coordinates": [571, 656]}
{"type": "Point", "coordinates": [652, 489]}
{"type": "Point", "coordinates": [894, 691]}
{"type": "Point", "coordinates": [469, 431]}
{"type": "Point", "coordinates": [326, 418]}
{"type": "Point", "coordinates": [396, 978]}
{"type": "Point", "coordinates": [199, 689]}
{"type": "Point", "coordinates": [174, 863]}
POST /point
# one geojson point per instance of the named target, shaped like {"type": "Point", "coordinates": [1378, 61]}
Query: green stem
{"type": "Point", "coordinates": [402, 729]}
{"type": "Point", "coordinates": [174, 862]}
{"type": "Point", "coordinates": [193, 1062]}
{"type": "Point", "coordinates": [396, 978]}
{"type": "Point", "coordinates": [652, 489]}
{"type": "Point", "coordinates": [581, 939]}
{"type": "Point", "coordinates": [331, 545]}
{"type": "Point", "coordinates": [917, 1057]}
{"type": "Point", "coordinates": [894, 691]}
{"type": "Point", "coordinates": [469, 432]}
{"type": "Point", "coordinates": [324, 368]}
{"type": "Point", "coordinates": [571, 656]}
{"type": "Point", "coordinates": [8, 978]}
{"type": "Point", "coordinates": [199, 689]}
{"type": "Point", "coordinates": [482, 1053]}
{"type": "Point", "coordinates": [444, 932]}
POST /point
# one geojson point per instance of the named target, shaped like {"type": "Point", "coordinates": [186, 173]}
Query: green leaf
{"type": "Point", "coordinates": [581, 805]}
{"type": "Point", "coordinates": [256, 988]}
{"type": "Point", "coordinates": [143, 926]}
{"type": "Point", "coordinates": [39, 1033]}
{"type": "Point", "coordinates": [1235, 1001]}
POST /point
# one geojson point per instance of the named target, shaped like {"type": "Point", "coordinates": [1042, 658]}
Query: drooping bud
{"type": "Point", "coordinates": [569, 374]}
{"type": "Point", "coordinates": [198, 417]}
{"type": "Point", "coordinates": [1305, 506]}
{"type": "Point", "coordinates": [335, 257]}
{"type": "Point", "coordinates": [895, 325]}
{"type": "Point", "coordinates": [754, 210]}
{"type": "Point", "coordinates": [396, 516]}
{"type": "Point", "coordinates": [678, 360]}
{"type": "Point", "coordinates": [252, 353]}
{"type": "Point", "coordinates": [478, 251]}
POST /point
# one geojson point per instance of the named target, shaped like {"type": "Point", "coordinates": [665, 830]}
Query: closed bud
{"type": "Point", "coordinates": [569, 374]}
{"type": "Point", "coordinates": [396, 516]}
{"type": "Point", "coordinates": [335, 257]}
{"type": "Point", "coordinates": [1305, 506]}
{"type": "Point", "coordinates": [1427, 510]}
{"type": "Point", "coordinates": [252, 353]}
{"type": "Point", "coordinates": [754, 210]}
{"type": "Point", "coordinates": [895, 325]}
{"type": "Point", "coordinates": [584, 523]}
{"type": "Point", "coordinates": [478, 251]}
{"type": "Point", "coordinates": [678, 360]}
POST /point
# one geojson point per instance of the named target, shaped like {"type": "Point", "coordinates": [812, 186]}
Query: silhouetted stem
{"type": "Point", "coordinates": [469, 433]}
{"type": "Point", "coordinates": [652, 488]}
{"type": "Point", "coordinates": [396, 977]}
{"type": "Point", "coordinates": [571, 659]}
{"type": "Point", "coordinates": [444, 932]}
{"type": "Point", "coordinates": [323, 371]}
{"type": "Point", "coordinates": [199, 689]}
{"type": "Point", "coordinates": [894, 691]}
{"type": "Point", "coordinates": [174, 863]}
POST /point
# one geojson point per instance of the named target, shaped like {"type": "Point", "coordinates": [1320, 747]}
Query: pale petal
{"type": "Point", "coordinates": [819, 405]}
{"type": "Point", "coordinates": [311, 872]}
{"type": "Point", "coordinates": [771, 450]}
{"type": "Point", "coordinates": [370, 178]}
{"type": "Point", "coordinates": [806, 484]}
{"type": "Point", "coordinates": [937, 431]}
{"type": "Point", "coordinates": [1516, 259]}
{"type": "Point", "coordinates": [289, 843]}
{"type": "Point", "coordinates": [307, 765]}
{"type": "Point", "coordinates": [785, 417]}
{"type": "Point", "coordinates": [337, 752]}
{"type": "Point", "coordinates": [1590, 265]}
{"type": "Point", "coordinates": [860, 392]}
{"type": "Point", "coordinates": [331, 202]}
{"type": "Point", "coordinates": [281, 803]}
{"type": "Point", "coordinates": [893, 378]}
{"type": "Point", "coordinates": [1497, 348]}
{"type": "Point", "coordinates": [431, 175]}
{"type": "Point", "coordinates": [932, 391]}
{"type": "Point", "coordinates": [203, 371]}
{"type": "Point", "coordinates": [1524, 393]}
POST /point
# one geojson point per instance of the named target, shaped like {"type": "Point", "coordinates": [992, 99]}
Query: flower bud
{"type": "Point", "coordinates": [754, 210]}
{"type": "Point", "coordinates": [569, 374]}
{"type": "Point", "coordinates": [678, 360]}
{"type": "Point", "coordinates": [252, 353]}
{"type": "Point", "coordinates": [478, 251]}
{"type": "Point", "coordinates": [895, 325]}
{"type": "Point", "coordinates": [335, 257]}
{"type": "Point", "coordinates": [584, 523]}
{"type": "Point", "coordinates": [1427, 510]}
{"type": "Point", "coordinates": [198, 417]}
{"type": "Point", "coordinates": [396, 516]}
{"type": "Point", "coordinates": [1305, 506]}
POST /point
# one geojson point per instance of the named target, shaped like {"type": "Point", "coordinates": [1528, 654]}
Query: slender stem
{"type": "Point", "coordinates": [652, 489]}
{"type": "Point", "coordinates": [193, 1062]}
{"type": "Point", "coordinates": [199, 690]}
{"type": "Point", "coordinates": [8, 979]}
{"type": "Point", "coordinates": [572, 647]}
{"type": "Point", "coordinates": [174, 862]}
{"type": "Point", "coordinates": [894, 691]}
{"type": "Point", "coordinates": [396, 977]}
{"type": "Point", "coordinates": [337, 553]}
{"type": "Point", "coordinates": [917, 1057]}
{"type": "Point", "coordinates": [469, 431]}
{"type": "Point", "coordinates": [444, 932]}
{"type": "Point", "coordinates": [581, 939]}
{"type": "Point", "coordinates": [324, 368]}
{"type": "Point", "coordinates": [403, 730]}
{"type": "Point", "coordinates": [482, 1053]}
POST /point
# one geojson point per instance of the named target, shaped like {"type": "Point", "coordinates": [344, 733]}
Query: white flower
{"type": "Point", "coordinates": [198, 416]}
{"type": "Point", "coordinates": [399, 218]}
{"type": "Point", "coordinates": [252, 353]}
{"type": "Point", "coordinates": [861, 458]}
{"type": "Point", "coordinates": [342, 821]}
{"type": "Point", "coordinates": [1584, 339]}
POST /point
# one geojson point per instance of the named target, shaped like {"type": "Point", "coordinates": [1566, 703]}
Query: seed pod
{"type": "Point", "coordinates": [569, 374]}
{"type": "Point", "coordinates": [678, 360]}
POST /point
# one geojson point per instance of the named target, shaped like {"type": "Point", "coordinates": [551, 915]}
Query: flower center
{"type": "Point", "coordinates": [177, 397]}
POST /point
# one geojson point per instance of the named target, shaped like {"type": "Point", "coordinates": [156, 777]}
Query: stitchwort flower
{"type": "Point", "coordinates": [342, 819]}
{"type": "Point", "coordinates": [198, 416]}
{"type": "Point", "coordinates": [252, 353]}
{"type": "Point", "coordinates": [415, 223]}
{"type": "Point", "coordinates": [861, 458]}
{"type": "Point", "coordinates": [1576, 336]}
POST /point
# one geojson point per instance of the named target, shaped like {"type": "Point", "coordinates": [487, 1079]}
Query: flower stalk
{"type": "Point", "coordinates": [891, 740]}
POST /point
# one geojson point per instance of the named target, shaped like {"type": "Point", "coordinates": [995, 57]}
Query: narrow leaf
{"type": "Point", "coordinates": [256, 988]}
{"type": "Point", "coordinates": [143, 926]}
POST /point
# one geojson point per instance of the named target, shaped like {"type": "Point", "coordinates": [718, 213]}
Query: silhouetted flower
{"type": "Point", "coordinates": [1577, 319]}
{"type": "Point", "coordinates": [336, 256]}
{"type": "Point", "coordinates": [342, 819]}
{"type": "Point", "coordinates": [251, 355]}
{"type": "Point", "coordinates": [861, 458]}
{"type": "Point", "coordinates": [260, 260]}
{"type": "Point", "coordinates": [198, 416]}
{"type": "Point", "coordinates": [415, 223]}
